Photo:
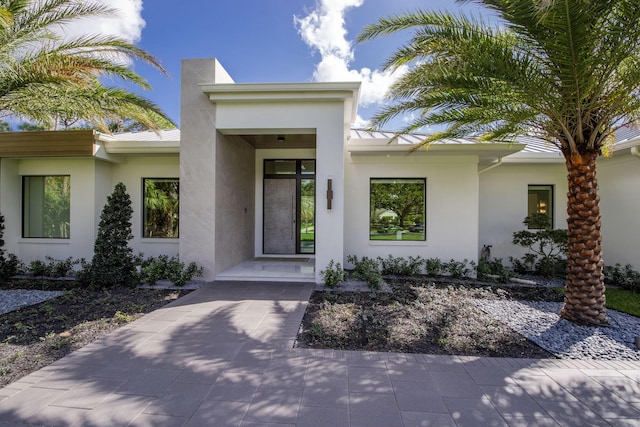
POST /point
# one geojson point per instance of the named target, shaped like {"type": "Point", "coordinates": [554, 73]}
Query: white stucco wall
{"type": "Point", "coordinates": [452, 205]}
{"type": "Point", "coordinates": [11, 203]}
{"type": "Point", "coordinates": [131, 174]}
{"type": "Point", "coordinates": [503, 203]}
{"type": "Point", "coordinates": [82, 215]}
{"type": "Point", "coordinates": [619, 183]}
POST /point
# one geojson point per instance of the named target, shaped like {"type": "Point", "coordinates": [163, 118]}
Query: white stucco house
{"type": "Point", "coordinates": [274, 172]}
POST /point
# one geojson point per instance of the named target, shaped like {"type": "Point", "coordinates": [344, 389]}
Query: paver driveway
{"type": "Point", "coordinates": [222, 356]}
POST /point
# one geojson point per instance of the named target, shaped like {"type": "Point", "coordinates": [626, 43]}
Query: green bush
{"type": "Point", "coordinates": [547, 248]}
{"type": "Point", "coordinates": [459, 269]}
{"type": "Point", "coordinates": [53, 267]}
{"type": "Point", "coordinates": [113, 260]}
{"type": "Point", "coordinates": [169, 268]}
{"type": "Point", "coordinates": [10, 265]}
{"type": "Point", "coordinates": [433, 267]}
{"type": "Point", "coordinates": [400, 266]}
{"type": "Point", "coordinates": [623, 277]}
{"type": "Point", "coordinates": [333, 274]}
{"type": "Point", "coordinates": [367, 270]}
{"type": "Point", "coordinates": [493, 270]}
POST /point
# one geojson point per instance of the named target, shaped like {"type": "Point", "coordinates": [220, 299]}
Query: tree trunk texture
{"type": "Point", "coordinates": [584, 300]}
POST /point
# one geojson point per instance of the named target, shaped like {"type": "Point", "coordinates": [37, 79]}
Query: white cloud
{"type": "Point", "coordinates": [127, 23]}
{"type": "Point", "coordinates": [324, 30]}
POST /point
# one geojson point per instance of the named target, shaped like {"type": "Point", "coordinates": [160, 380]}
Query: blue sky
{"type": "Point", "coordinates": [267, 41]}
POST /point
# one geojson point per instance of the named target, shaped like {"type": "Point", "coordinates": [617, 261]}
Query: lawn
{"type": "Point", "coordinates": [623, 300]}
{"type": "Point", "coordinates": [620, 299]}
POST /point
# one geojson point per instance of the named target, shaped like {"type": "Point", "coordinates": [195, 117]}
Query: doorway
{"type": "Point", "coordinates": [289, 207]}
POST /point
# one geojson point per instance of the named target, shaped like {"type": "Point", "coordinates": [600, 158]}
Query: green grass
{"type": "Point", "coordinates": [621, 300]}
{"type": "Point", "coordinates": [625, 301]}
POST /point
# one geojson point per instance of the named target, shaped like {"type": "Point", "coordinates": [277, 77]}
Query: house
{"type": "Point", "coordinates": [273, 172]}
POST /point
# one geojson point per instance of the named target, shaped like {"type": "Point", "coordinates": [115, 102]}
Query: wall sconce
{"type": "Point", "coordinates": [329, 193]}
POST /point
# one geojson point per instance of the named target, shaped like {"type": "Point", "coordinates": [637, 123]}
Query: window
{"type": "Point", "coordinates": [397, 209]}
{"type": "Point", "coordinates": [161, 207]}
{"type": "Point", "coordinates": [46, 206]}
{"type": "Point", "coordinates": [540, 201]}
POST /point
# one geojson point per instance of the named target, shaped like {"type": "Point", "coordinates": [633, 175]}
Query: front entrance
{"type": "Point", "coordinates": [289, 207]}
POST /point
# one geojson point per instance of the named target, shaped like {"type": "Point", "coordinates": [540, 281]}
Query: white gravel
{"type": "Point", "coordinates": [11, 300]}
{"type": "Point", "coordinates": [539, 321]}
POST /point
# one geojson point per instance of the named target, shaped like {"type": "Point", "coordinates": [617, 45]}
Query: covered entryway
{"type": "Point", "coordinates": [289, 207]}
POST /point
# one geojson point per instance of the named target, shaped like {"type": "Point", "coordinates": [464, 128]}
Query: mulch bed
{"type": "Point", "coordinates": [35, 336]}
{"type": "Point", "coordinates": [418, 316]}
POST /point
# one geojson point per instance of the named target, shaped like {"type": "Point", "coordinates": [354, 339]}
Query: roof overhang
{"type": "Point", "coordinates": [68, 143]}
{"type": "Point", "coordinates": [487, 152]}
{"type": "Point", "coordinates": [346, 92]}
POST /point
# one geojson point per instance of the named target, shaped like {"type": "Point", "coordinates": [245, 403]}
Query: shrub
{"type": "Point", "coordinates": [546, 247]}
{"type": "Point", "coordinates": [113, 260]}
{"type": "Point", "coordinates": [367, 270]}
{"type": "Point", "coordinates": [433, 266]}
{"type": "Point", "coordinates": [333, 274]}
{"type": "Point", "coordinates": [400, 266]}
{"type": "Point", "coordinates": [459, 269]}
{"type": "Point", "coordinates": [623, 277]}
{"type": "Point", "coordinates": [172, 269]}
{"type": "Point", "coordinates": [10, 265]}
{"type": "Point", "coordinates": [493, 270]}
{"type": "Point", "coordinates": [53, 267]}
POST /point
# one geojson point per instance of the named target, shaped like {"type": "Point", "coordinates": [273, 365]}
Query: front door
{"type": "Point", "coordinates": [289, 207]}
{"type": "Point", "coordinates": [280, 216]}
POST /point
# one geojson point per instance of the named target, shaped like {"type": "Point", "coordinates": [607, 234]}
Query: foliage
{"type": "Point", "coordinates": [169, 268]}
{"type": "Point", "coordinates": [53, 79]}
{"type": "Point", "coordinates": [367, 270]}
{"type": "Point", "coordinates": [546, 247]}
{"type": "Point", "coordinates": [433, 266]}
{"type": "Point", "coordinates": [623, 277]}
{"type": "Point", "coordinates": [333, 274]}
{"type": "Point", "coordinates": [562, 71]}
{"type": "Point", "coordinates": [399, 266]}
{"type": "Point", "coordinates": [162, 204]}
{"type": "Point", "coordinates": [459, 269]}
{"type": "Point", "coordinates": [10, 264]}
{"type": "Point", "coordinates": [53, 268]}
{"type": "Point", "coordinates": [493, 270]}
{"type": "Point", "coordinates": [113, 261]}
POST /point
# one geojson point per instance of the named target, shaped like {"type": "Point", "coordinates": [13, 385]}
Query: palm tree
{"type": "Point", "coordinates": [46, 78]}
{"type": "Point", "coordinates": [566, 71]}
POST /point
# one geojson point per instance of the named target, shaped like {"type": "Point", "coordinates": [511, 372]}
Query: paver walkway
{"type": "Point", "coordinates": [221, 356]}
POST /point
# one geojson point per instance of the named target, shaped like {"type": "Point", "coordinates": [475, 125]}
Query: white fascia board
{"type": "Point", "coordinates": [142, 147]}
{"type": "Point", "coordinates": [382, 146]}
{"type": "Point", "coordinates": [246, 92]}
{"type": "Point", "coordinates": [525, 157]}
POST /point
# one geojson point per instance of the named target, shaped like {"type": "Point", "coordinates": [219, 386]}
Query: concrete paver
{"type": "Point", "coordinates": [223, 356]}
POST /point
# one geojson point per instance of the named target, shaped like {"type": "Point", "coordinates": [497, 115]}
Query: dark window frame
{"type": "Point", "coordinates": [24, 207]}
{"type": "Point", "coordinates": [423, 180]}
{"type": "Point", "coordinates": [552, 196]}
{"type": "Point", "coordinates": [144, 207]}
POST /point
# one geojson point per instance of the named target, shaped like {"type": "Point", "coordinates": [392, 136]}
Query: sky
{"type": "Point", "coordinates": [260, 41]}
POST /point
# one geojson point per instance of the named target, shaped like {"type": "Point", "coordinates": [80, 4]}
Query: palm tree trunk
{"type": "Point", "coordinates": [584, 300]}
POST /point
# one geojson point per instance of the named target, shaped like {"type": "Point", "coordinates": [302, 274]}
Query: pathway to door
{"type": "Point", "coordinates": [223, 356]}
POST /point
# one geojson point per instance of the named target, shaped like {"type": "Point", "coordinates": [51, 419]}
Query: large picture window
{"type": "Point", "coordinates": [397, 209]}
{"type": "Point", "coordinates": [46, 206]}
{"type": "Point", "coordinates": [161, 207]}
{"type": "Point", "coordinates": [540, 201]}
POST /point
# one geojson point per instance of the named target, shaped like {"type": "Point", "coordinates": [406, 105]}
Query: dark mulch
{"type": "Point", "coordinates": [418, 316]}
{"type": "Point", "coordinates": [35, 336]}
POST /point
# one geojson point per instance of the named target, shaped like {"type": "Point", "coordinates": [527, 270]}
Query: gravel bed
{"type": "Point", "coordinates": [539, 321]}
{"type": "Point", "coordinates": [11, 300]}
